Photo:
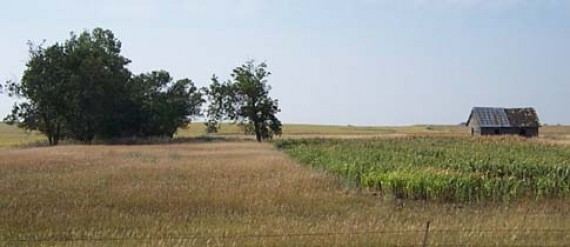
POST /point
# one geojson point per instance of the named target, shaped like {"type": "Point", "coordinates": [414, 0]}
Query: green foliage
{"type": "Point", "coordinates": [81, 89]}
{"type": "Point", "coordinates": [45, 85]}
{"type": "Point", "coordinates": [163, 105]}
{"type": "Point", "coordinates": [443, 168]}
{"type": "Point", "coordinates": [97, 78]}
{"type": "Point", "coordinates": [246, 101]}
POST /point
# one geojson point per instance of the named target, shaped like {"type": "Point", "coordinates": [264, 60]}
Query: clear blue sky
{"type": "Point", "coordinates": [360, 62]}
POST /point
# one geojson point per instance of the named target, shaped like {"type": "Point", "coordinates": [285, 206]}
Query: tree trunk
{"type": "Point", "coordinates": [49, 129]}
{"type": "Point", "coordinates": [257, 131]}
{"type": "Point", "coordinates": [57, 136]}
{"type": "Point", "coordinates": [89, 140]}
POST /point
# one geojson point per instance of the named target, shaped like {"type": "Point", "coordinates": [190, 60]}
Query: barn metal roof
{"type": "Point", "coordinates": [503, 117]}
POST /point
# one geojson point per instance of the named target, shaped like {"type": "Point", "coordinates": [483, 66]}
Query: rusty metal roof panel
{"type": "Point", "coordinates": [523, 117]}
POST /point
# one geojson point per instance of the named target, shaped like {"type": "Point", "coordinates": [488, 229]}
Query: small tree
{"type": "Point", "coordinates": [246, 101]}
{"type": "Point", "coordinates": [44, 86]}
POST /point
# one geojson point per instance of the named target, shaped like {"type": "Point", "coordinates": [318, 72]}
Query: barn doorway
{"type": "Point", "coordinates": [522, 132]}
{"type": "Point", "coordinates": [497, 131]}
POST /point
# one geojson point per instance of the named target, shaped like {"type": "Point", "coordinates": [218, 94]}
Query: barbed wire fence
{"type": "Point", "coordinates": [428, 236]}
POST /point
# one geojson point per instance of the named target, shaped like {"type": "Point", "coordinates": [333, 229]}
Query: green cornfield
{"type": "Point", "coordinates": [448, 169]}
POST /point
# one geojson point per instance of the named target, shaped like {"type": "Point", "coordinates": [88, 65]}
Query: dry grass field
{"type": "Point", "coordinates": [232, 194]}
{"type": "Point", "coordinates": [308, 131]}
{"type": "Point", "coordinates": [237, 194]}
{"type": "Point", "coordinates": [12, 136]}
{"type": "Point", "coordinates": [554, 133]}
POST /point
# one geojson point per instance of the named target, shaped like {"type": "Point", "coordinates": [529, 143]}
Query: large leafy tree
{"type": "Point", "coordinates": [82, 89]}
{"type": "Point", "coordinates": [75, 89]}
{"type": "Point", "coordinates": [245, 100]}
{"type": "Point", "coordinates": [98, 80]}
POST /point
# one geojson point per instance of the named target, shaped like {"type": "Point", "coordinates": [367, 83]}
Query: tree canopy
{"type": "Point", "coordinates": [81, 89]}
{"type": "Point", "coordinates": [245, 100]}
{"type": "Point", "coordinates": [163, 105]}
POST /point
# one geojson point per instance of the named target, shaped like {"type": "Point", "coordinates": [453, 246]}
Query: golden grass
{"type": "Point", "coordinates": [330, 131]}
{"type": "Point", "coordinates": [12, 136]}
{"type": "Point", "coordinates": [307, 130]}
{"type": "Point", "coordinates": [228, 194]}
{"type": "Point", "coordinates": [556, 134]}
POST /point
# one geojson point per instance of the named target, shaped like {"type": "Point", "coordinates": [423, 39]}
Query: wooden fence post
{"type": "Point", "coordinates": [426, 235]}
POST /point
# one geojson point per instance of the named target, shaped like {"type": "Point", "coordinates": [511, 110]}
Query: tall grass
{"type": "Point", "coordinates": [230, 194]}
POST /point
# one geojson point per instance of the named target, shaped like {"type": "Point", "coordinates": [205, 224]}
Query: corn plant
{"type": "Point", "coordinates": [459, 169]}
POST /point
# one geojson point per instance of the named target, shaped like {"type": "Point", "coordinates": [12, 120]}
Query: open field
{"type": "Point", "coordinates": [305, 130]}
{"type": "Point", "coordinates": [231, 194]}
{"type": "Point", "coordinates": [242, 194]}
{"type": "Point", "coordinates": [11, 135]}
{"type": "Point", "coordinates": [448, 168]}
{"type": "Point", "coordinates": [550, 133]}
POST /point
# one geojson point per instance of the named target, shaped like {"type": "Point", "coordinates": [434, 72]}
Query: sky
{"type": "Point", "coordinates": [338, 62]}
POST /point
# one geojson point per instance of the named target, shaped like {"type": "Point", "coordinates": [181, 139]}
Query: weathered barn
{"type": "Point", "coordinates": [503, 121]}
